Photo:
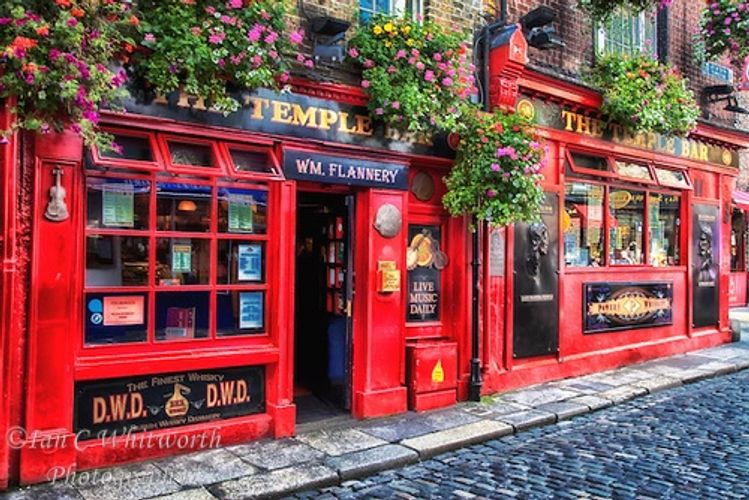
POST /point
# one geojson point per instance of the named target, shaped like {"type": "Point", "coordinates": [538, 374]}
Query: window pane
{"type": "Point", "coordinates": [588, 161]}
{"type": "Point", "coordinates": [183, 207]}
{"type": "Point", "coordinates": [737, 240]}
{"type": "Point", "coordinates": [251, 161]}
{"type": "Point", "coordinates": [240, 262]}
{"type": "Point", "coordinates": [116, 261]}
{"type": "Point", "coordinates": [672, 178]}
{"type": "Point", "coordinates": [583, 224]}
{"type": "Point", "coordinates": [133, 148]}
{"type": "Point", "coordinates": [242, 210]}
{"type": "Point", "coordinates": [628, 33]}
{"type": "Point", "coordinates": [113, 318]}
{"type": "Point", "coordinates": [117, 203]}
{"type": "Point", "coordinates": [627, 210]}
{"type": "Point", "coordinates": [633, 171]}
{"type": "Point", "coordinates": [664, 229]}
{"type": "Point", "coordinates": [182, 261]}
{"type": "Point", "coordinates": [197, 155]}
{"type": "Point", "coordinates": [240, 313]}
{"type": "Point", "coordinates": [182, 315]}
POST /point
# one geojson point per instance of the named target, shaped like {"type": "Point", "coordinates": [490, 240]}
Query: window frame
{"type": "Point", "coordinates": [267, 148]}
{"type": "Point", "coordinates": [395, 7]}
{"type": "Point", "coordinates": [609, 173]}
{"type": "Point", "coordinates": [600, 34]}
{"type": "Point", "coordinates": [687, 178]}
{"type": "Point", "coordinates": [218, 169]}
{"type": "Point", "coordinates": [157, 164]}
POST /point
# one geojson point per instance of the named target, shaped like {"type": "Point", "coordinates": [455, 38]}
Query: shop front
{"type": "Point", "coordinates": [222, 279]}
{"type": "Point", "coordinates": [633, 254]}
{"type": "Point", "coordinates": [737, 291]}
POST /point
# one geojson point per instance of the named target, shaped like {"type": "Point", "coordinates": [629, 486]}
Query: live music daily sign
{"type": "Point", "coordinates": [332, 169]}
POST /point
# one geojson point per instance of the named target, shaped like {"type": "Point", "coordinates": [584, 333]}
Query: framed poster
{"type": "Point", "coordinates": [623, 306]}
{"type": "Point", "coordinates": [250, 262]}
{"type": "Point", "coordinates": [241, 213]}
{"type": "Point", "coordinates": [251, 310]}
{"type": "Point", "coordinates": [182, 257]}
{"type": "Point", "coordinates": [117, 205]}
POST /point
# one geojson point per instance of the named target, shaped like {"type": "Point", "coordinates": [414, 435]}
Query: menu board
{"type": "Point", "coordinates": [117, 205]}
{"type": "Point", "coordinates": [181, 258]}
{"type": "Point", "coordinates": [250, 262]}
{"type": "Point", "coordinates": [251, 310]}
{"type": "Point", "coordinates": [240, 213]}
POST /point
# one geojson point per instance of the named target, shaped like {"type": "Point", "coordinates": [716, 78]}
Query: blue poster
{"type": "Point", "coordinates": [250, 262]}
{"type": "Point", "coordinates": [251, 310]}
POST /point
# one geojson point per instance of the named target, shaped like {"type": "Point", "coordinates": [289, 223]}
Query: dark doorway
{"type": "Point", "coordinates": [324, 288]}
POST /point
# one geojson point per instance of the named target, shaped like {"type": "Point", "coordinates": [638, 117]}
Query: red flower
{"type": "Point", "coordinates": [63, 3]}
{"type": "Point", "coordinates": [76, 12]}
{"type": "Point", "coordinates": [134, 21]}
{"type": "Point", "coordinates": [42, 30]}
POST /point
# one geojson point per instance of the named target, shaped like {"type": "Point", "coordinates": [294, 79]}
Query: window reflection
{"type": "Point", "coordinates": [583, 224]}
{"type": "Point", "coordinates": [240, 262]}
{"type": "Point", "coordinates": [197, 155]}
{"type": "Point", "coordinates": [182, 315]}
{"type": "Point", "coordinates": [627, 209]}
{"type": "Point", "coordinates": [117, 203]}
{"type": "Point", "coordinates": [116, 261]}
{"type": "Point", "coordinates": [239, 312]}
{"type": "Point", "coordinates": [182, 261]}
{"type": "Point", "coordinates": [183, 207]}
{"type": "Point", "coordinates": [242, 210]}
{"type": "Point", "coordinates": [664, 229]}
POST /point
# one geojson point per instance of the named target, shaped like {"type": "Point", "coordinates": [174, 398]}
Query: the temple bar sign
{"type": "Point", "coordinates": [311, 166]}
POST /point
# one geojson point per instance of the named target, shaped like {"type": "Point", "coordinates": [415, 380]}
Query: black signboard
{"type": "Point", "coordinates": [295, 115]}
{"type": "Point", "coordinates": [536, 283]}
{"type": "Point", "coordinates": [332, 169]}
{"type": "Point", "coordinates": [151, 402]}
{"type": "Point", "coordinates": [424, 261]}
{"type": "Point", "coordinates": [705, 275]}
{"type": "Point", "coordinates": [621, 306]}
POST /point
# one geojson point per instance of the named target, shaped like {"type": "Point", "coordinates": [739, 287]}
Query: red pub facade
{"type": "Point", "coordinates": [223, 272]}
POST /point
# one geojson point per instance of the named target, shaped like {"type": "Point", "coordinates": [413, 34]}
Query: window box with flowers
{"type": "Point", "coordinates": [57, 63]}
{"type": "Point", "coordinates": [200, 48]}
{"type": "Point", "coordinates": [644, 95]}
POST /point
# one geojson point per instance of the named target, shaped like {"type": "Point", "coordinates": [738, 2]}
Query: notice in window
{"type": "Point", "coordinates": [181, 258]}
{"type": "Point", "coordinates": [123, 310]}
{"type": "Point", "coordinates": [251, 310]}
{"type": "Point", "coordinates": [117, 205]}
{"type": "Point", "coordinates": [249, 258]}
{"type": "Point", "coordinates": [240, 214]}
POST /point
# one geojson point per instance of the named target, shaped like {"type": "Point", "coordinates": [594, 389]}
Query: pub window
{"type": "Point", "coordinates": [634, 171]}
{"type": "Point", "coordinates": [193, 253]}
{"type": "Point", "coordinates": [582, 163]}
{"type": "Point", "coordinates": [130, 147]}
{"type": "Point", "coordinates": [738, 241]}
{"type": "Point", "coordinates": [673, 178]}
{"type": "Point", "coordinates": [664, 229]}
{"type": "Point", "coordinates": [411, 8]}
{"type": "Point", "coordinates": [627, 33]}
{"type": "Point", "coordinates": [250, 161]}
{"type": "Point", "coordinates": [583, 224]}
{"type": "Point", "coordinates": [626, 228]}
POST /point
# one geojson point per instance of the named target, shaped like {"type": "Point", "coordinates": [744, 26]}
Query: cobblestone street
{"type": "Point", "coordinates": [690, 442]}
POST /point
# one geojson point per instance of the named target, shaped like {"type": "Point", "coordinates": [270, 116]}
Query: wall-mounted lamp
{"type": "Point", "coordinates": [538, 30]}
{"type": "Point", "coordinates": [328, 43]}
{"type": "Point", "coordinates": [722, 93]}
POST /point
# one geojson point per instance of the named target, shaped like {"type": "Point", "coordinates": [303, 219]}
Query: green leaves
{"type": "Point", "coordinates": [644, 95]}
{"type": "Point", "coordinates": [601, 10]}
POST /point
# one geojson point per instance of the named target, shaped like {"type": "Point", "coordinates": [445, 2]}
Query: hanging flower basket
{"type": "Point", "coordinates": [201, 47]}
{"type": "Point", "coordinates": [644, 95]}
{"type": "Point", "coordinates": [725, 30]}
{"type": "Point", "coordinates": [496, 174]}
{"type": "Point", "coordinates": [601, 10]}
{"type": "Point", "coordinates": [415, 74]}
{"type": "Point", "coordinates": [56, 60]}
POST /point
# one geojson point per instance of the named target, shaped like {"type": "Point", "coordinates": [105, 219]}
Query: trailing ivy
{"type": "Point", "coordinates": [602, 10]}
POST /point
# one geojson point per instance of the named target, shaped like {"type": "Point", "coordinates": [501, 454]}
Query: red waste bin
{"type": "Point", "coordinates": [431, 374]}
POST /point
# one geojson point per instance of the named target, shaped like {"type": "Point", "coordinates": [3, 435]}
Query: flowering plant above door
{"type": "Point", "coordinates": [601, 10]}
{"type": "Point", "coordinates": [725, 30]}
{"type": "Point", "coordinates": [201, 46]}
{"type": "Point", "coordinates": [57, 62]}
{"type": "Point", "coordinates": [496, 174]}
{"type": "Point", "coordinates": [415, 74]}
{"type": "Point", "coordinates": [644, 95]}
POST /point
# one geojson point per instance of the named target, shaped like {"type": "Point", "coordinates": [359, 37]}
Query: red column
{"type": "Point", "coordinates": [53, 311]}
{"type": "Point", "coordinates": [379, 318]}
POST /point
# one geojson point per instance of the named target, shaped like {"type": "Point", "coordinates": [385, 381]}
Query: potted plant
{"type": "Point", "coordinates": [496, 176]}
{"type": "Point", "coordinates": [56, 63]}
{"type": "Point", "coordinates": [416, 74]}
{"type": "Point", "coordinates": [200, 47]}
{"type": "Point", "coordinates": [644, 95]}
{"type": "Point", "coordinates": [725, 30]}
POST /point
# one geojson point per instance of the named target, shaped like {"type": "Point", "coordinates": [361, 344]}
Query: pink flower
{"type": "Point", "coordinates": [216, 38]}
{"type": "Point", "coordinates": [309, 63]}
{"type": "Point", "coordinates": [255, 33]}
{"type": "Point", "coordinates": [534, 145]}
{"type": "Point", "coordinates": [271, 38]}
{"type": "Point", "coordinates": [149, 38]}
{"type": "Point", "coordinates": [396, 105]}
{"type": "Point", "coordinates": [429, 75]}
{"type": "Point", "coordinates": [72, 22]}
{"type": "Point", "coordinates": [420, 66]}
{"type": "Point", "coordinates": [353, 52]}
{"type": "Point", "coordinates": [490, 193]}
{"type": "Point", "coordinates": [300, 58]}
{"type": "Point", "coordinates": [447, 81]}
{"type": "Point", "coordinates": [437, 56]}
{"type": "Point", "coordinates": [495, 167]}
{"type": "Point", "coordinates": [379, 111]}
{"type": "Point", "coordinates": [257, 60]}
{"type": "Point", "coordinates": [400, 54]}
{"type": "Point", "coordinates": [264, 15]}
{"type": "Point", "coordinates": [391, 69]}
{"type": "Point", "coordinates": [415, 52]}
{"type": "Point", "coordinates": [273, 54]}
{"type": "Point", "coordinates": [235, 4]}
{"type": "Point", "coordinates": [296, 37]}
{"type": "Point", "coordinates": [368, 63]}
{"type": "Point", "coordinates": [365, 84]}
{"type": "Point", "coordinates": [195, 30]}
{"type": "Point", "coordinates": [284, 77]}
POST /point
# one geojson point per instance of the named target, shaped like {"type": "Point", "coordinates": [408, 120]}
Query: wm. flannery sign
{"type": "Point", "coordinates": [311, 166]}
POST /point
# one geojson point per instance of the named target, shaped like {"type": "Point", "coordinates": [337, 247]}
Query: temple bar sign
{"type": "Point", "coordinates": [310, 166]}
{"type": "Point", "coordinates": [555, 116]}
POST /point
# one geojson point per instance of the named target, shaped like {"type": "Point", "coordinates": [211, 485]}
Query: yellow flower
{"type": "Point", "coordinates": [388, 43]}
{"type": "Point", "coordinates": [388, 27]}
{"type": "Point", "coordinates": [406, 29]}
{"type": "Point", "coordinates": [377, 30]}
{"type": "Point", "coordinates": [410, 42]}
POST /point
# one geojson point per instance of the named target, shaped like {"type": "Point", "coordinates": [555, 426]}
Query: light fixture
{"type": "Point", "coordinates": [538, 30]}
{"type": "Point", "coordinates": [187, 206]}
{"type": "Point", "coordinates": [722, 93]}
{"type": "Point", "coordinates": [328, 43]}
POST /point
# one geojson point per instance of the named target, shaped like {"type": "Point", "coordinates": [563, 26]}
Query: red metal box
{"type": "Point", "coordinates": [431, 374]}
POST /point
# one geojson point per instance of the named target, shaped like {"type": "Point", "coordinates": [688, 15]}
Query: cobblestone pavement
{"type": "Point", "coordinates": [686, 443]}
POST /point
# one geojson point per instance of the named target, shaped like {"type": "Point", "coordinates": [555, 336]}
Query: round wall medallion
{"type": "Point", "coordinates": [388, 221]}
{"type": "Point", "coordinates": [422, 186]}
